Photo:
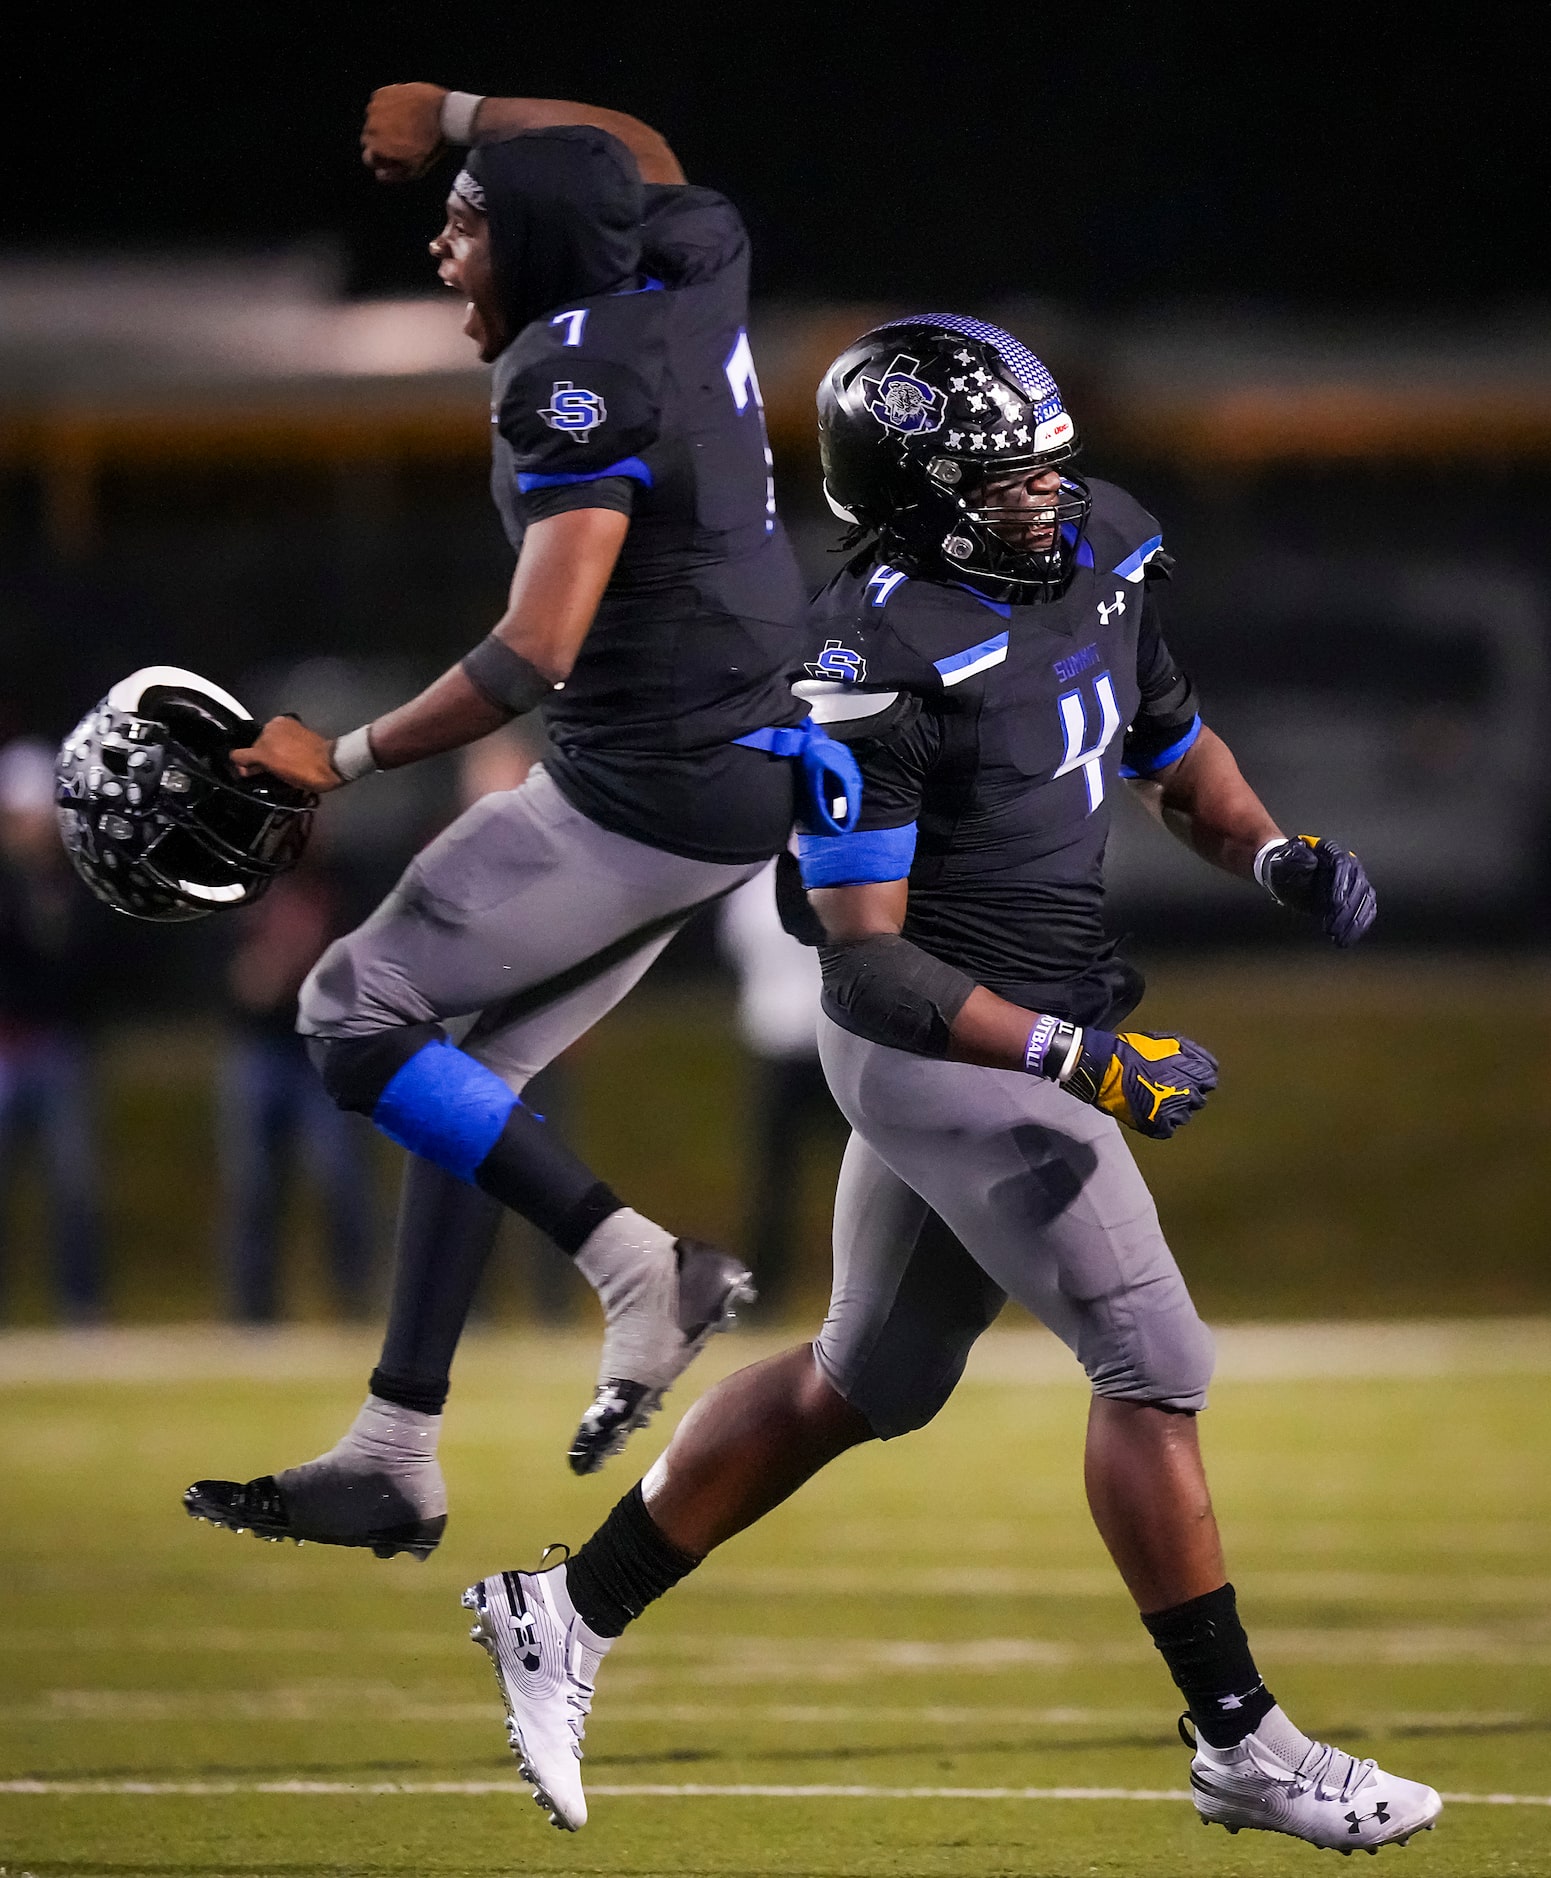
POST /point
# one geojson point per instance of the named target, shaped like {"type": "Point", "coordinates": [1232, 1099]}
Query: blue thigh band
{"type": "Point", "coordinates": [445, 1107]}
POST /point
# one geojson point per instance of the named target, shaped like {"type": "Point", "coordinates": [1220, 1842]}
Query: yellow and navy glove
{"type": "Point", "coordinates": [1152, 1084]}
{"type": "Point", "coordinates": [1321, 879]}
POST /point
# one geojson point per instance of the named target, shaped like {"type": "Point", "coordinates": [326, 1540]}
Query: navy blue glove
{"type": "Point", "coordinates": [1318, 878]}
{"type": "Point", "coordinates": [1152, 1084]}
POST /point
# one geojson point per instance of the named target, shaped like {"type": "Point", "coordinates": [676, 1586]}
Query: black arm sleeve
{"type": "Point", "coordinates": [886, 988]}
{"type": "Point", "coordinates": [891, 992]}
{"type": "Point", "coordinates": [604, 492]}
{"type": "Point", "coordinates": [1168, 716]}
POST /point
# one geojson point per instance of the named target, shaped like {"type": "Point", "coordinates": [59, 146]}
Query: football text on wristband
{"type": "Point", "coordinates": [1053, 1048]}
{"type": "Point", "coordinates": [459, 109]}
{"type": "Point", "coordinates": [352, 755]}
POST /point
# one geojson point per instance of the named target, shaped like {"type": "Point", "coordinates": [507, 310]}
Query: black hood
{"type": "Point", "coordinates": [565, 210]}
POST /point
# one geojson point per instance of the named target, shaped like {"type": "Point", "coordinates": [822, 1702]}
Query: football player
{"type": "Point", "coordinates": [654, 616]}
{"type": "Point", "coordinates": [994, 653]}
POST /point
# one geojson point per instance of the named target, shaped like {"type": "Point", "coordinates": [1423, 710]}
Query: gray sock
{"type": "Point", "coordinates": [632, 1265]}
{"type": "Point", "coordinates": [382, 1471]}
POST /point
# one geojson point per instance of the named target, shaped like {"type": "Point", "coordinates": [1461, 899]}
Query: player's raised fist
{"type": "Point", "coordinates": [1151, 1084]}
{"type": "Point", "coordinates": [402, 135]}
{"type": "Point", "coordinates": [289, 750]}
{"type": "Point", "coordinates": [1322, 879]}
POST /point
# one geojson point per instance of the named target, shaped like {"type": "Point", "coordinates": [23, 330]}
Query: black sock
{"type": "Point", "coordinates": [1207, 1652]}
{"type": "Point", "coordinates": [624, 1565]}
{"type": "Point", "coordinates": [531, 1170]}
{"type": "Point", "coordinates": [446, 1229]}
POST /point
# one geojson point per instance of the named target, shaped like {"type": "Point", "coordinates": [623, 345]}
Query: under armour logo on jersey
{"type": "Point", "coordinates": [838, 664]}
{"type": "Point", "coordinates": [901, 401]}
{"type": "Point", "coordinates": [573, 409]}
{"type": "Point", "coordinates": [1116, 606]}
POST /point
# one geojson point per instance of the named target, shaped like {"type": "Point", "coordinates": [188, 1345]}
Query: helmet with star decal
{"type": "Point", "coordinates": [925, 426]}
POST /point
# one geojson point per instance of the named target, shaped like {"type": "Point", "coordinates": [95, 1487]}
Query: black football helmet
{"type": "Point", "coordinates": [152, 814]}
{"type": "Point", "coordinates": [918, 416]}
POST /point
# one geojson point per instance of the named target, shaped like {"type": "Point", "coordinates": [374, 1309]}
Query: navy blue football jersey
{"type": "Point", "coordinates": [646, 400]}
{"type": "Point", "coordinates": [989, 780]}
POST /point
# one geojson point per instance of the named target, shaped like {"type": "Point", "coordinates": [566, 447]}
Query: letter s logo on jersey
{"type": "Point", "coordinates": [838, 664]}
{"type": "Point", "coordinates": [573, 409]}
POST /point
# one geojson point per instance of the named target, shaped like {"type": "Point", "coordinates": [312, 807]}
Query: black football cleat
{"type": "Point", "coordinates": [373, 1514]}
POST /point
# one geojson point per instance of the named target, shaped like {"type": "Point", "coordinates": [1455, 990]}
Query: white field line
{"type": "Point", "coordinates": [643, 1790]}
{"type": "Point", "coordinates": [1013, 1581]}
{"type": "Point", "coordinates": [1313, 1543]}
{"type": "Point", "coordinates": [737, 1659]}
{"type": "Point", "coordinates": [189, 1353]}
{"type": "Point", "coordinates": [1474, 1591]}
{"type": "Point", "coordinates": [1314, 1351]}
{"type": "Point", "coordinates": [73, 1707]}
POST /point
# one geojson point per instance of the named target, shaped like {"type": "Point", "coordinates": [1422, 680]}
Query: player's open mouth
{"type": "Point", "coordinates": [1033, 532]}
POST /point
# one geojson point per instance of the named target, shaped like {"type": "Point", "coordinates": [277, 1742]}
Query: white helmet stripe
{"type": "Point", "coordinates": [127, 693]}
{"type": "Point", "coordinates": [228, 895]}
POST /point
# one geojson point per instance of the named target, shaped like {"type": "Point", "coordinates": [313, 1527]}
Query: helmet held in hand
{"type": "Point", "coordinates": [152, 814]}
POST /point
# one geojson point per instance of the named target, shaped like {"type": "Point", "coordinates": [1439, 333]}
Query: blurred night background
{"type": "Point", "coordinates": [1294, 286]}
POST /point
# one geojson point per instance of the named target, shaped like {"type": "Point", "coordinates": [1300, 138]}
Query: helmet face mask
{"type": "Point", "coordinates": [926, 428]}
{"type": "Point", "coordinates": [992, 535]}
{"type": "Point", "coordinates": [152, 816]}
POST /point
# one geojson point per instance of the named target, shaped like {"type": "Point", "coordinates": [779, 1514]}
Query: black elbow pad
{"type": "Point", "coordinates": [891, 992]}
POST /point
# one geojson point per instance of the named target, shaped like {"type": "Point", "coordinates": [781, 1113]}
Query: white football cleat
{"type": "Point", "coordinates": [546, 1660]}
{"type": "Point", "coordinates": [1278, 1780]}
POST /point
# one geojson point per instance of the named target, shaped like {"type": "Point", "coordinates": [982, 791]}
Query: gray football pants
{"type": "Point", "coordinates": [962, 1187]}
{"type": "Point", "coordinates": [518, 928]}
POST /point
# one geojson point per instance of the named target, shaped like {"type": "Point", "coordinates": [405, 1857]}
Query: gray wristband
{"type": "Point", "coordinates": [352, 755]}
{"type": "Point", "coordinates": [458, 112]}
{"type": "Point", "coordinates": [505, 678]}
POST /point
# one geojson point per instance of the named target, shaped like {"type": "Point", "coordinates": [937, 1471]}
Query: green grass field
{"type": "Point", "coordinates": [1361, 1160]}
{"type": "Point", "coordinates": [930, 1616]}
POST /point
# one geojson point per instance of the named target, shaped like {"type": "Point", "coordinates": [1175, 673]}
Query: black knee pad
{"type": "Point", "coordinates": [356, 1070]}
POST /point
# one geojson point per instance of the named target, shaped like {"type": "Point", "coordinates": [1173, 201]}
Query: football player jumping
{"type": "Point", "coordinates": [654, 615]}
{"type": "Point", "coordinates": [994, 655]}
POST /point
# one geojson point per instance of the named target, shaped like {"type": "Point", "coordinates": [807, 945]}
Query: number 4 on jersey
{"type": "Point", "coordinates": [743, 382]}
{"type": "Point", "coordinates": [1074, 730]}
{"type": "Point", "coordinates": [741, 376]}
